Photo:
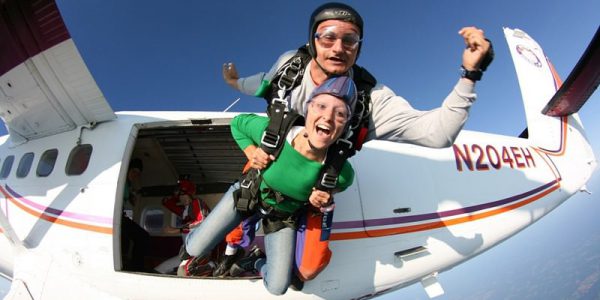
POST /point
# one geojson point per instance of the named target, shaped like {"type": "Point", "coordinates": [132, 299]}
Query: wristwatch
{"type": "Point", "coordinates": [473, 75]}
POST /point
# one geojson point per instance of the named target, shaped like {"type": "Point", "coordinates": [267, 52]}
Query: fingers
{"type": "Point", "coordinates": [474, 37]}
{"type": "Point", "coordinates": [227, 67]}
{"type": "Point", "coordinates": [229, 70]}
{"type": "Point", "coordinates": [476, 47]}
{"type": "Point", "coordinates": [319, 198]}
{"type": "Point", "coordinates": [260, 159]}
{"type": "Point", "coordinates": [230, 75]}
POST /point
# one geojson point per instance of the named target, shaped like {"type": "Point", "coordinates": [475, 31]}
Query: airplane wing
{"type": "Point", "coordinates": [581, 83]}
{"type": "Point", "coordinates": [45, 87]}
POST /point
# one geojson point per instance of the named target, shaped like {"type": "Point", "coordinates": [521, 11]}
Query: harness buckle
{"type": "Point", "coordinates": [329, 181]}
{"type": "Point", "coordinates": [290, 74]}
{"type": "Point", "coordinates": [296, 63]}
{"type": "Point", "coordinates": [345, 141]}
{"type": "Point", "coordinates": [285, 81]}
{"type": "Point", "coordinates": [359, 111]}
{"type": "Point", "coordinates": [269, 139]}
{"type": "Point", "coordinates": [246, 183]}
{"type": "Point", "coordinates": [280, 101]}
{"type": "Point", "coordinates": [264, 212]}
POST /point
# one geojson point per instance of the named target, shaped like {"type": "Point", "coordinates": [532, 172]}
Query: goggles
{"type": "Point", "coordinates": [328, 37]}
{"type": "Point", "coordinates": [340, 112]}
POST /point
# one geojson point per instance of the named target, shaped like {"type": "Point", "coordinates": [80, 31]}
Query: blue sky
{"type": "Point", "coordinates": [159, 55]}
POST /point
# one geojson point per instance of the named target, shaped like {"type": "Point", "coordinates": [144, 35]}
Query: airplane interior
{"type": "Point", "coordinates": [204, 151]}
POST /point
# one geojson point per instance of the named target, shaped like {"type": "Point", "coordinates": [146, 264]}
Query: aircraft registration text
{"type": "Point", "coordinates": [483, 158]}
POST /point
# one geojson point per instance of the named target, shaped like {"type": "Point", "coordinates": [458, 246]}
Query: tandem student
{"type": "Point", "coordinates": [287, 182]}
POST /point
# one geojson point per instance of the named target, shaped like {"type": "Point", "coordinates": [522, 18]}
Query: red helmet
{"type": "Point", "coordinates": [187, 187]}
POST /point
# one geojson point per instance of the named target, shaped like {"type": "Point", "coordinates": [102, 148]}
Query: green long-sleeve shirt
{"type": "Point", "coordinates": [291, 173]}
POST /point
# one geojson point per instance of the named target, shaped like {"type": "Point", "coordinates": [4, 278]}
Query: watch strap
{"type": "Point", "coordinates": [472, 75]}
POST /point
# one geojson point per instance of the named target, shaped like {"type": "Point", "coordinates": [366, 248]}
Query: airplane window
{"type": "Point", "coordinates": [7, 166]}
{"type": "Point", "coordinates": [79, 158]}
{"type": "Point", "coordinates": [25, 165]}
{"type": "Point", "coordinates": [154, 220]}
{"type": "Point", "coordinates": [46, 164]}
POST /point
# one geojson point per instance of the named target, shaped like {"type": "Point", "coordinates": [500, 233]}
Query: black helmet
{"type": "Point", "coordinates": [332, 11]}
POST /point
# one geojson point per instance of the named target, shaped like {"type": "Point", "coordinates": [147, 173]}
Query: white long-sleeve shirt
{"type": "Point", "coordinates": [392, 118]}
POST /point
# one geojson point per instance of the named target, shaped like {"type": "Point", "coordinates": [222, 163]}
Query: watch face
{"type": "Point", "coordinates": [473, 75]}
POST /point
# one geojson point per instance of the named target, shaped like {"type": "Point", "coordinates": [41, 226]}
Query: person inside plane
{"type": "Point", "coordinates": [190, 209]}
{"type": "Point", "coordinates": [287, 182]}
{"type": "Point", "coordinates": [134, 239]}
{"type": "Point", "coordinates": [334, 42]}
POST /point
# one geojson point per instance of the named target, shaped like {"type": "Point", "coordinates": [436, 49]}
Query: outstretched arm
{"type": "Point", "coordinates": [251, 84]}
{"type": "Point", "coordinates": [394, 119]}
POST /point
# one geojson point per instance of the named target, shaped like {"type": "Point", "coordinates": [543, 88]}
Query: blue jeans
{"type": "Point", "coordinates": [276, 270]}
{"type": "Point", "coordinates": [219, 222]}
{"type": "Point", "coordinates": [279, 246]}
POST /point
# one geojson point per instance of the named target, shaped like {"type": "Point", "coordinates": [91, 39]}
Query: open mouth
{"type": "Point", "coordinates": [337, 59]}
{"type": "Point", "coordinates": [323, 130]}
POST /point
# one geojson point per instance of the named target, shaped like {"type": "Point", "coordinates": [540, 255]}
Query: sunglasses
{"type": "Point", "coordinates": [328, 37]}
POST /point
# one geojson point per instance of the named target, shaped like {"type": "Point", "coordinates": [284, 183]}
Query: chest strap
{"type": "Point", "coordinates": [247, 196]}
{"type": "Point", "coordinates": [346, 146]}
{"type": "Point", "coordinates": [272, 141]}
{"type": "Point", "coordinates": [288, 77]}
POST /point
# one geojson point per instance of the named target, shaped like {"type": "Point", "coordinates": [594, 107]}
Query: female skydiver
{"type": "Point", "coordinates": [287, 182]}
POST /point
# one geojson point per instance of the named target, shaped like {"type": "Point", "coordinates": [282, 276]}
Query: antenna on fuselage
{"type": "Point", "coordinates": [232, 104]}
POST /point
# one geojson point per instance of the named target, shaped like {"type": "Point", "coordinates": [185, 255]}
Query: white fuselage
{"type": "Point", "coordinates": [454, 203]}
{"type": "Point", "coordinates": [411, 212]}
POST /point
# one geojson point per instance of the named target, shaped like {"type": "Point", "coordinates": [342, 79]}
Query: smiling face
{"type": "Point", "coordinates": [325, 120]}
{"type": "Point", "coordinates": [336, 58]}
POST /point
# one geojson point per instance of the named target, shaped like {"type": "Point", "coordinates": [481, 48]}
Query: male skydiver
{"type": "Point", "coordinates": [334, 42]}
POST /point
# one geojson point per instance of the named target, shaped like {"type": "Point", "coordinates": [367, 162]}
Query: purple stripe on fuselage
{"type": "Point", "coordinates": [58, 212]}
{"type": "Point", "coordinates": [26, 29]}
{"type": "Point", "coordinates": [437, 215]}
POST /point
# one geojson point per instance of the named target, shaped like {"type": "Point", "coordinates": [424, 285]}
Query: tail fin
{"type": "Point", "coordinates": [538, 82]}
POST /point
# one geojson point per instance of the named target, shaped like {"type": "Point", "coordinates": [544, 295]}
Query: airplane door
{"type": "Point", "coordinates": [395, 186]}
{"type": "Point", "coordinates": [348, 220]}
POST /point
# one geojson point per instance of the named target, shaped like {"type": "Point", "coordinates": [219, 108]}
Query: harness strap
{"type": "Point", "coordinates": [274, 220]}
{"type": "Point", "coordinates": [280, 122]}
{"type": "Point", "coordinates": [267, 210]}
{"type": "Point", "coordinates": [344, 148]}
{"type": "Point", "coordinates": [364, 84]}
{"type": "Point", "coordinates": [246, 197]}
{"type": "Point", "coordinates": [288, 76]}
{"type": "Point", "coordinates": [286, 79]}
{"type": "Point", "coordinates": [337, 154]}
{"type": "Point", "coordinates": [280, 117]}
{"type": "Point", "coordinates": [272, 141]}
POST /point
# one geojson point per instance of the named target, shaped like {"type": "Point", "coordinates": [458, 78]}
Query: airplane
{"type": "Point", "coordinates": [62, 224]}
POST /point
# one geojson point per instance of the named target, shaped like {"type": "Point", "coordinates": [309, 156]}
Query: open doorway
{"type": "Point", "coordinates": [201, 151]}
